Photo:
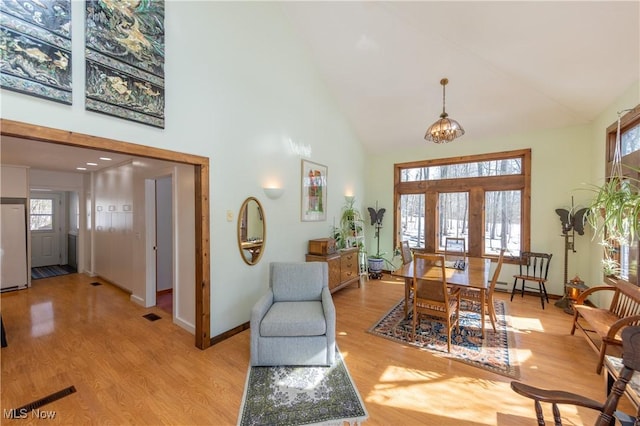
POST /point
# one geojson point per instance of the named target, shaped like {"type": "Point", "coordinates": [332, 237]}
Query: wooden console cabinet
{"type": "Point", "coordinates": [343, 267]}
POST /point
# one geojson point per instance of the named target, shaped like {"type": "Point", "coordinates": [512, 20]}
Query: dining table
{"type": "Point", "coordinates": [475, 274]}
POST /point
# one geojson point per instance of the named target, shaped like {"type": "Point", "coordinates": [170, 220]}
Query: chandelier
{"type": "Point", "coordinates": [445, 129]}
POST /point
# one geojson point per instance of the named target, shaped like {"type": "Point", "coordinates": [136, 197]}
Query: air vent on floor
{"type": "Point", "coordinates": [43, 401]}
{"type": "Point", "coordinates": [95, 283]}
{"type": "Point", "coordinates": [152, 317]}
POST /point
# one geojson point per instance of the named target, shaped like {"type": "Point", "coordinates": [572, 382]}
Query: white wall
{"type": "Point", "coordinates": [14, 181]}
{"type": "Point", "coordinates": [113, 234]}
{"type": "Point", "coordinates": [74, 212]}
{"type": "Point", "coordinates": [241, 90]}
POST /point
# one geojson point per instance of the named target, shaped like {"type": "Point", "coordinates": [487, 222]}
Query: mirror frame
{"type": "Point", "coordinates": [243, 209]}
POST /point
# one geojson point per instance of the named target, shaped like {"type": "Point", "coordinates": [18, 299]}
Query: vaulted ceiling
{"type": "Point", "coordinates": [513, 66]}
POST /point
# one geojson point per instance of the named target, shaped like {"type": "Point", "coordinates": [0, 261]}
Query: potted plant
{"type": "Point", "coordinates": [377, 261]}
{"type": "Point", "coordinates": [350, 224]}
{"type": "Point", "coordinates": [615, 216]}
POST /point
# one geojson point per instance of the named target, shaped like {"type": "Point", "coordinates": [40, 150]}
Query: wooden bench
{"type": "Point", "coordinates": [607, 323]}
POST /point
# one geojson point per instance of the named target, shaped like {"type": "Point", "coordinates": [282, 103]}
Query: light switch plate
{"type": "Point", "coordinates": [229, 215]}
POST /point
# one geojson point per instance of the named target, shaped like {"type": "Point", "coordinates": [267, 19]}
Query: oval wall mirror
{"type": "Point", "coordinates": [252, 231]}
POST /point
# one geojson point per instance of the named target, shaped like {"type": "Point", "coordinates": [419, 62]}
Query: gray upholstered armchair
{"type": "Point", "coordinates": [295, 322]}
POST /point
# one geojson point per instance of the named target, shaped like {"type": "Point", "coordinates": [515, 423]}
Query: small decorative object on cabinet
{"type": "Point", "coordinates": [322, 246]}
{"type": "Point", "coordinates": [343, 267]}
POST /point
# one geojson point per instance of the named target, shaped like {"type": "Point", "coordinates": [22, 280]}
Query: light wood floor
{"type": "Point", "coordinates": [128, 370]}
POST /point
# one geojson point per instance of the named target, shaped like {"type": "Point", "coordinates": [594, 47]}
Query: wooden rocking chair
{"type": "Point", "coordinates": [608, 413]}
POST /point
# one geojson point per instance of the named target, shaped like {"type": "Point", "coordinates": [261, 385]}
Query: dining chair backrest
{"type": "Point", "coordinates": [455, 245]}
{"type": "Point", "coordinates": [432, 285]}
{"type": "Point", "coordinates": [496, 272]}
{"type": "Point", "coordinates": [535, 265]}
{"type": "Point", "coordinates": [431, 296]}
{"type": "Point", "coordinates": [406, 252]}
{"type": "Point", "coordinates": [454, 250]}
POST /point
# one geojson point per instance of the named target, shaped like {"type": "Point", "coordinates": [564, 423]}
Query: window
{"type": "Point", "coordinates": [630, 140]}
{"type": "Point", "coordinates": [473, 169]}
{"type": "Point", "coordinates": [412, 219]}
{"type": "Point", "coordinates": [627, 256]}
{"type": "Point", "coordinates": [502, 221]}
{"type": "Point", "coordinates": [453, 216]}
{"type": "Point", "coordinates": [484, 199]}
{"type": "Point", "coordinates": [41, 214]}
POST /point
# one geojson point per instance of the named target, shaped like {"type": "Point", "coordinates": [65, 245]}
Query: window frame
{"type": "Point", "coordinates": [476, 187]}
{"type": "Point", "coordinates": [627, 121]}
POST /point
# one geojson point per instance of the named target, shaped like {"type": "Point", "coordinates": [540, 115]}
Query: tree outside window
{"type": "Point", "coordinates": [484, 199]}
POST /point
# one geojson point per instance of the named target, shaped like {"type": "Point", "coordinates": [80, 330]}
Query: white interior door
{"type": "Point", "coordinates": [44, 219]}
{"type": "Point", "coordinates": [164, 234]}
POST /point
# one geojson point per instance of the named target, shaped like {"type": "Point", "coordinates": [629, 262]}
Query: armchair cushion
{"type": "Point", "coordinates": [286, 319]}
{"type": "Point", "coordinates": [294, 282]}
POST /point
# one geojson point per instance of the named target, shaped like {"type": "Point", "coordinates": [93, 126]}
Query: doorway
{"type": "Point", "coordinates": [45, 211]}
{"type": "Point", "coordinates": [202, 281]}
{"type": "Point", "coordinates": [164, 243]}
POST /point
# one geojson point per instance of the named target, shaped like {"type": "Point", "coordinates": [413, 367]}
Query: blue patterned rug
{"type": "Point", "coordinates": [288, 396]}
{"type": "Point", "coordinates": [51, 271]}
{"type": "Point", "coordinates": [494, 353]}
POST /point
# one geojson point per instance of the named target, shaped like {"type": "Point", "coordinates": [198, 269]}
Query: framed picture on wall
{"type": "Point", "coordinates": [36, 48]}
{"type": "Point", "coordinates": [314, 192]}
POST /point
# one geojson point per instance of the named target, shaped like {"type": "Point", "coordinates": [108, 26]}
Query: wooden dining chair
{"type": "Point", "coordinates": [405, 252]}
{"type": "Point", "coordinates": [533, 267]}
{"type": "Point", "coordinates": [473, 294]}
{"type": "Point", "coordinates": [631, 363]}
{"type": "Point", "coordinates": [455, 245]}
{"type": "Point", "coordinates": [455, 250]}
{"type": "Point", "coordinates": [431, 295]}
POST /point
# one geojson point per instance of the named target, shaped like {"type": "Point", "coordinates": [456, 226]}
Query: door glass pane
{"type": "Point", "coordinates": [41, 206]}
{"type": "Point", "coordinates": [453, 217]}
{"type": "Point", "coordinates": [412, 219]}
{"type": "Point", "coordinates": [502, 222]}
{"type": "Point", "coordinates": [41, 218]}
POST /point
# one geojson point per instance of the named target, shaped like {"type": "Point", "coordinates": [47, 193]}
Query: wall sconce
{"type": "Point", "coordinates": [349, 199]}
{"type": "Point", "coordinates": [273, 193]}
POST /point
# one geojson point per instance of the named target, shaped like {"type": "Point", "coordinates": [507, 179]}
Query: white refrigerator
{"type": "Point", "coordinates": [13, 247]}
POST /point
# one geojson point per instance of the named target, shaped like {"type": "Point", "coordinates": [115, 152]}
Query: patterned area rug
{"type": "Point", "coordinates": [301, 396]}
{"type": "Point", "coordinates": [51, 271]}
{"type": "Point", "coordinates": [494, 353]}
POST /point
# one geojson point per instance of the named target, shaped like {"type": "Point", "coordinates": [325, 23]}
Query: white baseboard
{"type": "Point", "coordinates": [185, 324]}
{"type": "Point", "coordinates": [137, 300]}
